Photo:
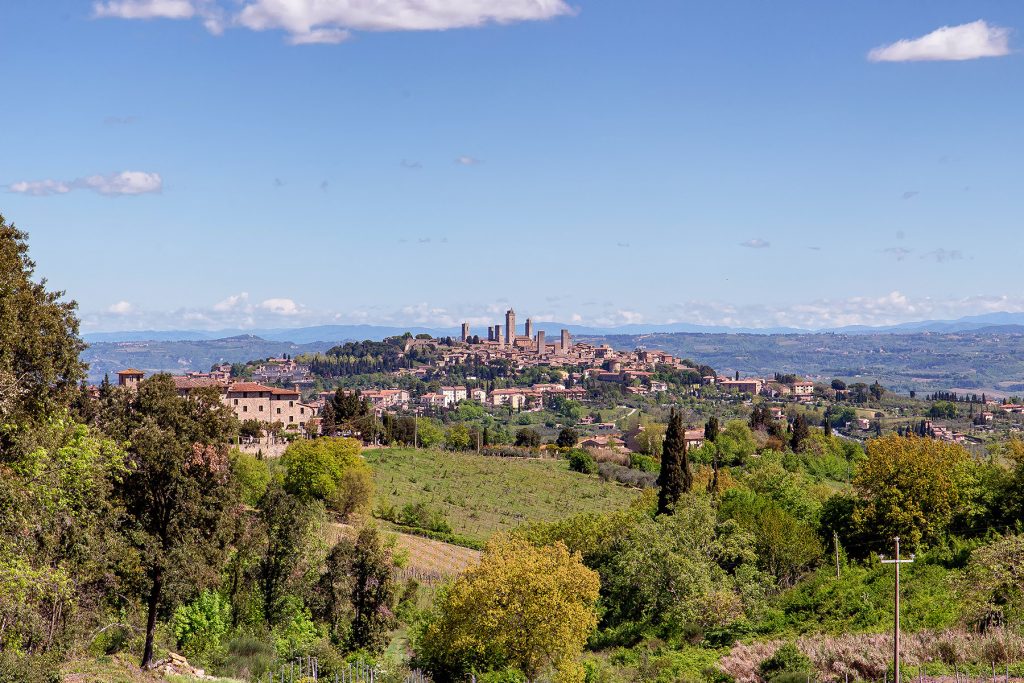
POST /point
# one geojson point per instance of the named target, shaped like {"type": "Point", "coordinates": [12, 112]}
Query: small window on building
{"type": "Point", "coordinates": [291, 404]}
{"type": "Point", "coordinates": [278, 411]}
{"type": "Point", "coordinates": [291, 418]}
{"type": "Point", "coordinates": [302, 411]}
{"type": "Point", "coordinates": [261, 409]}
{"type": "Point", "coordinates": [236, 401]}
{"type": "Point", "coordinates": [245, 409]}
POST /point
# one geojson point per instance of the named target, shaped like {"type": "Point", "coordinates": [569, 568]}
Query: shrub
{"type": "Point", "coordinates": [786, 664]}
{"type": "Point", "coordinates": [200, 625]}
{"type": "Point", "coordinates": [644, 463]}
{"type": "Point", "coordinates": [624, 475]}
{"type": "Point", "coordinates": [247, 658]}
{"type": "Point", "coordinates": [581, 461]}
{"type": "Point", "coordinates": [424, 516]}
{"type": "Point", "coordinates": [328, 469]}
{"type": "Point", "coordinates": [527, 438]}
{"type": "Point", "coordinates": [252, 475]}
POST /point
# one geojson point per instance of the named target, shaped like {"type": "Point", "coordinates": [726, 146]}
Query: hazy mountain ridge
{"type": "Point", "coordinates": [333, 333]}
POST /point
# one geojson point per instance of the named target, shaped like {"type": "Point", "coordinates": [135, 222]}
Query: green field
{"type": "Point", "coordinates": [481, 495]}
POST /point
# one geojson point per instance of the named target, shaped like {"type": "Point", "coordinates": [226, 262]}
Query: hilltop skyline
{"type": "Point", "coordinates": [248, 165]}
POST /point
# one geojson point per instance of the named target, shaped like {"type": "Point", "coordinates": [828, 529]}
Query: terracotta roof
{"type": "Point", "coordinates": [131, 371]}
{"type": "Point", "coordinates": [196, 382]}
{"type": "Point", "coordinates": [278, 391]}
{"type": "Point", "coordinates": [248, 386]}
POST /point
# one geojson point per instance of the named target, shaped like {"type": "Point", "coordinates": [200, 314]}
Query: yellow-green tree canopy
{"type": "Point", "coordinates": [912, 487]}
{"type": "Point", "coordinates": [523, 606]}
{"type": "Point", "coordinates": [329, 470]}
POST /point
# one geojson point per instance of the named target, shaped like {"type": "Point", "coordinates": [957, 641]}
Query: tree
{"type": "Point", "coordinates": [567, 438]}
{"type": "Point", "coordinates": [357, 592]}
{"type": "Point", "coordinates": [839, 385]}
{"type": "Point", "coordinates": [993, 583]}
{"type": "Point", "coordinates": [524, 606]}
{"type": "Point", "coordinates": [331, 470]}
{"type": "Point", "coordinates": [800, 433]}
{"type": "Point", "coordinates": [458, 438]}
{"type": "Point", "coordinates": [527, 438]}
{"type": "Point", "coordinates": [711, 429]}
{"type": "Point", "coordinates": [675, 477]}
{"type": "Point", "coordinates": [911, 488]}
{"type": "Point", "coordinates": [178, 492]}
{"type": "Point", "coordinates": [39, 345]}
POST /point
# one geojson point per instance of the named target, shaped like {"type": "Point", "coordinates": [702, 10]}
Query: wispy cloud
{"type": "Point", "coordinates": [467, 161]}
{"type": "Point", "coordinates": [413, 165]}
{"type": "Point", "coordinates": [910, 194]}
{"type": "Point", "coordinates": [114, 184]}
{"type": "Point", "coordinates": [943, 255]}
{"type": "Point", "coordinates": [756, 243]}
{"type": "Point", "coordinates": [949, 43]}
{"type": "Point", "coordinates": [332, 21]}
{"type": "Point", "coordinates": [899, 253]}
{"type": "Point", "coordinates": [120, 120]}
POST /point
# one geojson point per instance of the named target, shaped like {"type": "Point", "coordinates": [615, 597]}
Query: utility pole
{"type": "Point", "coordinates": [896, 622]}
{"type": "Point", "coordinates": [835, 542]}
{"type": "Point", "coordinates": [415, 427]}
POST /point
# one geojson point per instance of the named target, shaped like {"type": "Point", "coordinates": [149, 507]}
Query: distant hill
{"type": "Point", "coordinates": [995, 322]}
{"type": "Point", "coordinates": [988, 359]}
{"type": "Point", "coordinates": [185, 355]}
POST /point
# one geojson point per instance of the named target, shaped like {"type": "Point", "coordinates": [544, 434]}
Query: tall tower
{"type": "Point", "coordinates": [497, 335]}
{"type": "Point", "coordinates": [510, 327]}
{"type": "Point", "coordinates": [540, 343]}
{"type": "Point", "coordinates": [529, 328]}
{"type": "Point", "coordinates": [490, 333]}
{"type": "Point", "coordinates": [465, 332]}
{"type": "Point", "coordinates": [566, 342]}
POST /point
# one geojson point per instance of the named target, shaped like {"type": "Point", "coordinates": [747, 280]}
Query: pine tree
{"type": "Point", "coordinates": [827, 426]}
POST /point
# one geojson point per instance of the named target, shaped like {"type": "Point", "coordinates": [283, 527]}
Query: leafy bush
{"type": "Point", "coordinates": [786, 660]}
{"type": "Point", "coordinates": [200, 625]}
{"type": "Point", "coordinates": [644, 463]}
{"type": "Point", "coordinates": [581, 461]}
{"type": "Point", "coordinates": [424, 516]}
{"type": "Point", "coordinates": [252, 475]}
{"type": "Point", "coordinates": [330, 470]}
{"type": "Point", "coordinates": [624, 475]}
{"type": "Point", "coordinates": [247, 658]}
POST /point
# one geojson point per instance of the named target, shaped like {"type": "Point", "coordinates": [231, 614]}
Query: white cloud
{"type": "Point", "coordinates": [467, 161]}
{"type": "Point", "coordinates": [332, 21]}
{"type": "Point", "coordinates": [232, 303]}
{"type": "Point", "coordinates": [281, 306]}
{"type": "Point", "coordinates": [949, 43]}
{"type": "Point", "coordinates": [124, 183]}
{"type": "Point", "coordinates": [145, 9]}
{"type": "Point", "coordinates": [756, 243]}
{"type": "Point", "coordinates": [40, 188]}
{"type": "Point", "coordinates": [120, 308]}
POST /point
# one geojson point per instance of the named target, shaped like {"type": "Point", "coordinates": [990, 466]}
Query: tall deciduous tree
{"type": "Point", "coordinates": [178, 492]}
{"type": "Point", "coordinates": [912, 488]}
{"type": "Point", "coordinates": [675, 477]}
{"type": "Point", "coordinates": [800, 433]}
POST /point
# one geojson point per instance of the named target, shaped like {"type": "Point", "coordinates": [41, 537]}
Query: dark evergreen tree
{"type": "Point", "coordinates": [800, 433]}
{"type": "Point", "coordinates": [675, 477]}
{"type": "Point", "coordinates": [711, 429]}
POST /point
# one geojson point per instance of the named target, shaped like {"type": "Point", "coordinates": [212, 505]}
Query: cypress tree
{"type": "Point", "coordinates": [675, 477]}
{"type": "Point", "coordinates": [711, 429]}
{"type": "Point", "coordinates": [800, 432]}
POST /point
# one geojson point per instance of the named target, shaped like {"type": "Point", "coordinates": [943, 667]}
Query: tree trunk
{"type": "Point", "coordinates": [152, 604]}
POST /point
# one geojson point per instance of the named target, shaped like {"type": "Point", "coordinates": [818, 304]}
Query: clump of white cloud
{"type": "Point", "coordinates": [756, 243]}
{"type": "Point", "coordinates": [281, 306]}
{"type": "Point", "coordinates": [467, 161]}
{"type": "Point", "coordinates": [949, 43]}
{"type": "Point", "coordinates": [123, 183]}
{"type": "Point", "coordinates": [145, 9]}
{"type": "Point", "coordinates": [333, 21]}
{"type": "Point", "coordinates": [120, 308]}
{"type": "Point", "coordinates": [232, 303]}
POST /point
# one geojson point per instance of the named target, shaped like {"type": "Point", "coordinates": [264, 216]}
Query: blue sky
{"type": "Point", "coordinates": [221, 163]}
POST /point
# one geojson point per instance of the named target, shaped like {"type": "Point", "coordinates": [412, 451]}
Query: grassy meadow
{"type": "Point", "coordinates": [481, 495]}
